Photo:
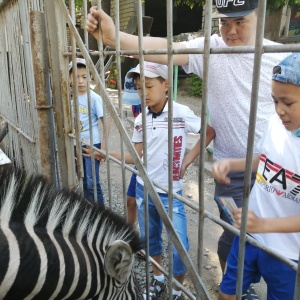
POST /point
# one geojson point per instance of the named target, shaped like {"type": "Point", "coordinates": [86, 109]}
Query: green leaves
{"type": "Point", "coordinates": [275, 5]}
{"type": "Point", "coordinates": [190, 3]}
{"type": "Point", "coordinates": [78, 3]}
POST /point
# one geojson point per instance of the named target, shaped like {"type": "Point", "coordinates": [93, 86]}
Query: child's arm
{"type": "Point", "coordinates": [191, 156]}
{"type": "Point", "coordinates": [263, 225]}
{"type": "Point", "coordinates": [128, 159]}
{"type": "Point", "coordinates": [221, 168]}
{"type": "Point", "coordinates": [103, 143]}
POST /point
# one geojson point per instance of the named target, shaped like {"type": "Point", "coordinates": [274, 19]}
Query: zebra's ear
{"type": "Point", "coordinates": [118, 261]}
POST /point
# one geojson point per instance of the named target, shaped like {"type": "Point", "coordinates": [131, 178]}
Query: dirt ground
{"type": "Point", "coordinates": [211, 272]}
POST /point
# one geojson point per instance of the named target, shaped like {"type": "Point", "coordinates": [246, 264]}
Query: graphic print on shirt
{"type": "Point", "coordinates": [275, 179]}
{"type": "Point", "coordinates": [177, 148]}
{"type": "Point", "coordinates": [84, 111]}
{"type": "Point", "coordinates": [138, 126]}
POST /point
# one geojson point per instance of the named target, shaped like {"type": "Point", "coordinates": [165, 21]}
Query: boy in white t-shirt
{"type": "Point", "coordinates": [184, 121]}
{"type": "Point", "coordinates": [274, 203]}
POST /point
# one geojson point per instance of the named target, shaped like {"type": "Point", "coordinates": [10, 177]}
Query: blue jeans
{"type": "Point", "coordinates": [155, 226]}
{"type": "Point", "coordinates": [88, 188]}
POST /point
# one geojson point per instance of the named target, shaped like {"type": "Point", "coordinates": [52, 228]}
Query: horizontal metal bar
{"type": "Point", "coordinates": [43, 106]}
{"type": "Point", "coordinates": [222, 50]}
{"type": "Point", "coordinates": [29, 138]}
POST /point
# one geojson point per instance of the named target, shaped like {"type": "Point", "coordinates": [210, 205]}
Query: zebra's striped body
{"type": "Point", "coordinates": [54, 245]}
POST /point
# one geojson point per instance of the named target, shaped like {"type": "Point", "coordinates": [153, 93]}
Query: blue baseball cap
{"type": "Point", "coordinates": [130, 94]}
{"type": "Point", "coordinates": [234, 8]}
{"type": "Point", "coordinates": [288, 70]}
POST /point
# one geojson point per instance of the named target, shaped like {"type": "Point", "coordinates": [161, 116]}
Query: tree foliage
{"type": "Point", "coordinates": [272, 5]}
{"type": "Point", "coordinates": [78, 8]}
{"type": "Point", "coordinates": [78, 4]}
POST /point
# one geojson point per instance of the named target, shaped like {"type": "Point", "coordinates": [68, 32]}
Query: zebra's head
{"type": "Point", "coordinates": [56, 245]}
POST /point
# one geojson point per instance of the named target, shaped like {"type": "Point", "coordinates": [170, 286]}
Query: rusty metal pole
{"type": "Point", "coordinates": [45, 134]}
{"type": "Point", "coordinates": [57, 46]}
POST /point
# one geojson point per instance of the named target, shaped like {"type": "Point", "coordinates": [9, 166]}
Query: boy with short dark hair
{"type": "Point", "coordinates": [96, 114]}
{"type": "Point", "coordinates": [274, 203]}
{"type": "Point", "coordinates": [184, 121]}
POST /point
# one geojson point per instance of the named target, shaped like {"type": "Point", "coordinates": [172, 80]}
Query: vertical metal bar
{"type": "Point", "coordinates": [175, 81]}
{"type": "Point", "coordinates": [261, 14]}
{"type": "Point", "coordinates": [56, 42]}
{"type": "Point", "coordinates": [75, 108]}
{"type": "Point", "coordinates": [206, 60]}
{"type": "Point", "coordinates": [45, 128]}
{"type": "Point", "coordinates": [145, 151]}
{"type": "Point", "coordinates": [169, 5]}
{"type": "Point", "coordinates": [118, 64]}
{"type": "Point", "coordinates": [91, 135]}
{"type": "Point", "coordinates": [101, 61]}
{"type": "Point", "coordinates": [23, 9]}
{"type": "Point", "coordinates": [297, 285]}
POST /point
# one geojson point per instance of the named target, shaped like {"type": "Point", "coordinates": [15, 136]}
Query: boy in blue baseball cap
{"type": "Point", "coordinates": [131, 96]}
{"type": "Point", "coordinates": [274, 203]}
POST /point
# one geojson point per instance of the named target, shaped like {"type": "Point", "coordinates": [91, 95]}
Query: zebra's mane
{"type": "Point", "coordinates": [34, 201]}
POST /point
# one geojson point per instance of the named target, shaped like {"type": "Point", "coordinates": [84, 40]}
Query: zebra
{"type": "Point", "coordinates": [56, 245]}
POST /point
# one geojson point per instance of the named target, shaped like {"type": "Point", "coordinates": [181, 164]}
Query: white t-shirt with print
{"type": "Point", "coordinates": [229, 95]}
{"type": "Point", "coordinates": [276, 192]}
{"type": "Point", "coordinates": [184, 121]}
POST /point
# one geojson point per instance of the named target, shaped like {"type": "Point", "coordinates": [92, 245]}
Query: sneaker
{"type": "Point", "coordinates": [156, 288]}
{"type": "Point", "coordinates": [250, 294]}
{"type": "Point", "coordinates": [176, 297]}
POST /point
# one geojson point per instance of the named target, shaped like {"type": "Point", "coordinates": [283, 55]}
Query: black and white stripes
{"type": "Point", "coordinates": [55, 245]}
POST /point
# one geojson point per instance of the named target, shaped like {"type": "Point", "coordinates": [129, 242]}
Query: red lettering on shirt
{"type": "Point", "coordinates": [177, 148]}
{"type": "Point", "coordinates": [273, 172]}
